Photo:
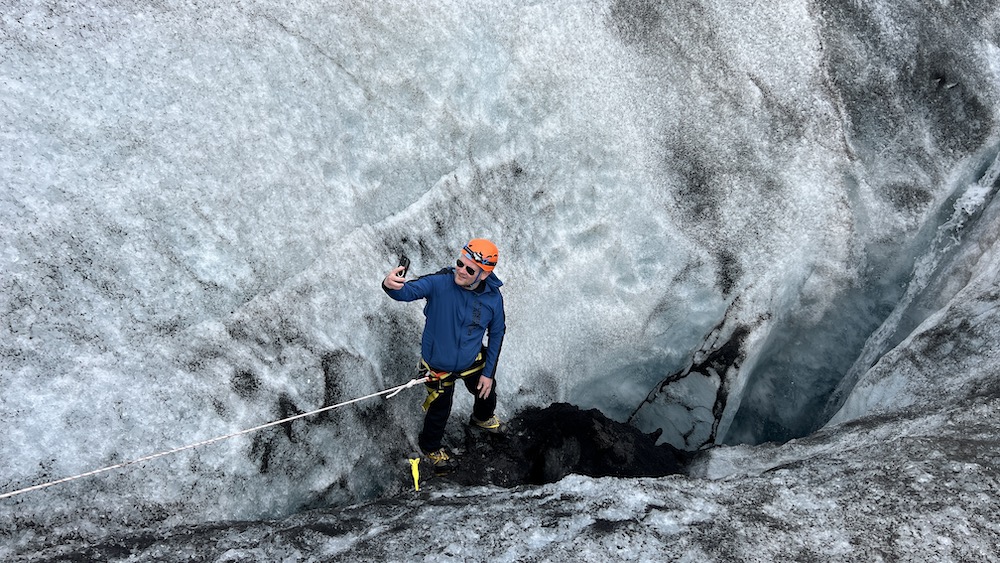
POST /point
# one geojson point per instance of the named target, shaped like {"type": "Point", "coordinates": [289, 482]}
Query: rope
{"type": "Point", "coordinates": [392, 392]}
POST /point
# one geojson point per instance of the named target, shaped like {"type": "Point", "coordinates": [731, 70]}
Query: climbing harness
{"type": "Point", "coordinates": [389, 393]}
{"type": "Point", "coordinates": [436, 383]}
{"type": "Point", "coordinates": [438, 380]}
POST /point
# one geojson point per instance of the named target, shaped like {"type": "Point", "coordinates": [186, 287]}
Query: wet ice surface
{"type": "Point", "coordinates": [903, 487]}
{"type": "Point", "coordinates": [916, 481]}
{"type": "Point", "coordinates": [707, 216]}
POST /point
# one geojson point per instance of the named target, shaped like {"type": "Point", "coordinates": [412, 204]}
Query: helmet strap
{"type": "Point", "coordinates": [475, 282]}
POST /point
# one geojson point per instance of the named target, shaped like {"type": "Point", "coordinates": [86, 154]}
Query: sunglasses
{"type": "Point", "coordinates": [470, 269]}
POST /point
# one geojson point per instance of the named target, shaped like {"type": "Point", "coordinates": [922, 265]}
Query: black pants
{"type": "Point", "coordinates": [440, 408]}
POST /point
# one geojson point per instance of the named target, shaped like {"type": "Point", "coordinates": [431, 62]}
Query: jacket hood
{"type": "Point", "coordinates": [493, 281]}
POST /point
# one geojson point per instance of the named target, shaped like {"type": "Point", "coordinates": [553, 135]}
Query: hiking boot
{"type": "Point", "coordinates": [492, 424]}
{"type": "Point", "coordinates": [441, 462]}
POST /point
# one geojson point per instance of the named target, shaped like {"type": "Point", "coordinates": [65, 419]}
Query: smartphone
{"type": "Point", "coordinates": [405, 263]}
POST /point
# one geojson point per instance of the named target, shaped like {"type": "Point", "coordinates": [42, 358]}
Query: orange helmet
{"type": "Point", "coordinates": [482, 252]}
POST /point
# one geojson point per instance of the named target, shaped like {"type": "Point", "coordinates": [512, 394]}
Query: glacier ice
{"type": "Point", "coordinates": [704, 213]}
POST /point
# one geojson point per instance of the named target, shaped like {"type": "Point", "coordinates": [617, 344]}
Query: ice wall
{"type": "Point", "coordinates": [914, 87]}
{"type": "Point", "coordinates": [198, 206]}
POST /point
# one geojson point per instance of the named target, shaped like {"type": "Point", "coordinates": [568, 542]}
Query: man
{"type": "Point", "coordinates": [464, 304]}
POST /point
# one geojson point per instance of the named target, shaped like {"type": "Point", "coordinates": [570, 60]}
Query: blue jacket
{"type": "Point", "coordinates": [457, 320]}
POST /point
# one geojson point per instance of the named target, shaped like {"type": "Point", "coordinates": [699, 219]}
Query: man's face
{"type": "Point", "coordinates": [462, 268]}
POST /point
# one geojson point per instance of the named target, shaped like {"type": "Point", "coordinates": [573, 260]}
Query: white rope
{"type": "Point", "coordinates": [392, 392]}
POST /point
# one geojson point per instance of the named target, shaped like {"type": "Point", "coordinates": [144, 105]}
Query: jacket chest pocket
{"type": "Point", "coordinates": [478, 319]}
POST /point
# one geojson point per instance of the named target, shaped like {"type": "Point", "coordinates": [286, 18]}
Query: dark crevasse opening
{"type": "Point", "coordinates": [803, 364]}
{"type": "Point", "coordinates": [807, 370]}
{"type": "Point", "coordinates": [543, 445]}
